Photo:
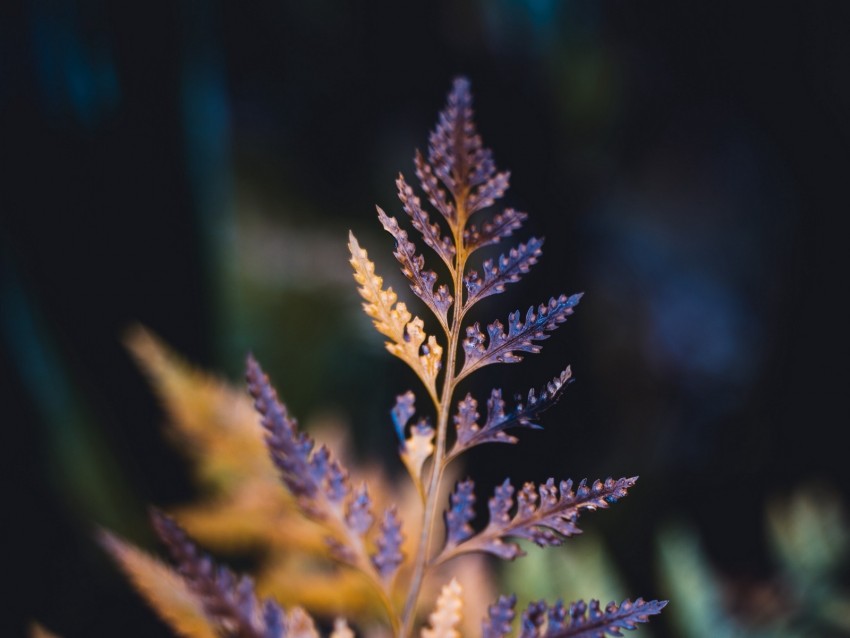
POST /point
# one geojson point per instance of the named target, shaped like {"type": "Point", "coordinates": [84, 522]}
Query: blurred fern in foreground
{"type": "Point", "coordinates": [373, 532]}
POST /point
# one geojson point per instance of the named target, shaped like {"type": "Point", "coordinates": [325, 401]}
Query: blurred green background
{"type": "Point", "coordinates": [195, 167]}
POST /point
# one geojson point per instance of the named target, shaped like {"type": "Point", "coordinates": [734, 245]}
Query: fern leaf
{"type": "Point", "coordinates": [500, 616]}
{"type": "Point", "coordinates": [453, 146]}
{"type": "Point", "coordinates": [531, 624]}
{"type": "Point", "coordinates": [389, 556]}
{"type": "Point", "coordinates": [408, 339]}
{"type": "Point", "coordinates": [299, 624]}
{"type": "Point", "coordinates": [545, 514]}
{"type": "Point", "coordinates": [507, 269]}
{"type": "Point", "coordinates": [448, 613]}
{"type": "Point", "coordinates": [431, 233]}
{"type": "Point", "coordinates": [162, 587]}
{"type": "Point", "coordinates": [229, 600]}
{"type": "Point", "coordinates": [503, 347]}
{"type": "Point", "coordinates": [470, 434]}
{"type": "Point", "coordinates": [412, 265]}
{"type": "Point", "coordinates": [583, 620]}
{"type": "Point", "coordinates": [460, 513]}
{"type": "Point", "coordinates": [318, 481]}
{"type": "Point", "coordinates": [492, 231]}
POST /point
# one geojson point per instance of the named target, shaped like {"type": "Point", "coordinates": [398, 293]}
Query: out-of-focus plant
{"type": "Point", "coordinates": [366, 528]}
{"type": "Point", "coordinates": [808, 533]}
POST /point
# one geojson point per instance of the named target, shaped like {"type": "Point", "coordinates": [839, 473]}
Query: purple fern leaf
{"type": "Point", "coordinates": [531, 625]}
{"type": "Point", "coordinates": [466, 420]}
{"type": "Point", "coordinates": [460, 514]}
{"type": "Point", "coordinates": [507, 269]}
{"type": "Point", "coordinates": [431, 233]}
{"type": "Point", "coordinates": [412, 265]}
{"type": "Point", "coordinates": [389, 555]}
{"type": "Point", "coordinates": [229, 600]}
{"type": "Point", "coordinates": [358, 515]}
{"type": "Point", "coordinates": [591, 621]}
{"type": "Point", "coordinates": [500, 616]}
{"type": "Point", "coordinates": [492, 231]}
{"type": "Point", "coordinates": [470, 434]}
{"type": "Point", "coordinates": [502, 347]}
{"type": "Point", "coordinates": [545, 514]}
{"type": "Point", "coordinates": [453, 146]}
{"type": "Point", "coordinates": [290, 450]}
{"type": "Point", "coordinates": [556, 617]}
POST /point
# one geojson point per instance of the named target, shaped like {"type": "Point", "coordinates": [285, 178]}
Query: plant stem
{"type": "Point", "coordinates": [443, 407]}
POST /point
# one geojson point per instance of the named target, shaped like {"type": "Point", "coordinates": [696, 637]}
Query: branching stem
{"type": "Point", "coordinates": [443, 407]}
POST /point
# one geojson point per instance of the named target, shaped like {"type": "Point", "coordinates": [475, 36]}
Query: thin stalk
{"type": "Point", "coordinates": [443, 407]}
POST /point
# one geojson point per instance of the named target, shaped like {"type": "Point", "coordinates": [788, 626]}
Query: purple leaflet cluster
{"type": "Point", "coordinates": [545, 514]}
{"type": "Point", "coordinates": [507, 269]}
{"type": "Point", "coordinates": [453, 146]}
{"type": "Point", "coordinates": [500, 616]}
{"type": "Point", "coordinates": [501, 347]}
{"type": "Point", "coordinates": [389, 555]}
{"type": "Point", "coordinates": [532, 621]}
{"type": "Point", "coordinates": [413, 266]}
{"type": "Point", "coordinates": [230, 601]}
{"type": "Point", "coordinates": [460, 513]}
{"type": "Point", "coordinates": [469, 433]}
{"type": "Point", "coordinates": [579, 620]}
{"type": "Point", "coordinates": [431, 233]}
{"type": "Point", "coordinates": [307, 473]}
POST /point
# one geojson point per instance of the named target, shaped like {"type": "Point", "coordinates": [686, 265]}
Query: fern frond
{"type": "Point", "coordinates": [545, 514]}
{"type": "Point", "coordinates": [448, 613]}
{"type": "Point", "coordinates": [392, 319]}
{"type": "Point", "coordinates": [590, 620]}
{"type": "Point", "coordinates": [507, 269]}
{"type": "Point", "coordinates": [503, 347]}
{"type": "Point", "coordinates": [470, 434]}
{"type": "Point", "coordinates": [422, 281]}
{"type": "Point", "coordinates": [162, 587]}
{"type": "Point", "coordinates": [228, 600]}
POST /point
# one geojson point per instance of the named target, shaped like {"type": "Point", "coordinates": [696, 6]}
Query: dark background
{"type": "Point", "coordinates": [687, 163]}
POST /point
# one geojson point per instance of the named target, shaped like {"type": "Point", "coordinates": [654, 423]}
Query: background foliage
{"type": "Point", "coordinates": [196, 166]}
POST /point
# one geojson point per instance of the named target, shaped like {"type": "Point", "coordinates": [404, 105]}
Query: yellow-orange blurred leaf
{"type": "Point", "coordinates": [163, 588]}
{"type": "Point", "coordinates": [37, 631]}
